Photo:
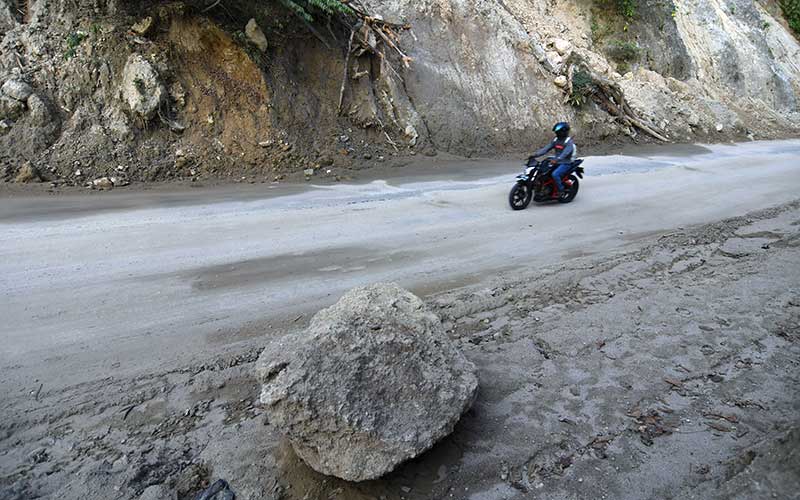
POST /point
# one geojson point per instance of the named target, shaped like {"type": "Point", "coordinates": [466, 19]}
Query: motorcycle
{"type": "Point", "coordinates": [536, 183]}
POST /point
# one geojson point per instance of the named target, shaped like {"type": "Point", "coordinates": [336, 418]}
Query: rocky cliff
{"type": "Point", "coordinates": [151, 90]}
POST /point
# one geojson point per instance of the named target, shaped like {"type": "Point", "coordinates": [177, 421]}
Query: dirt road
{"type": "Point", "coordinates": [129, 333]}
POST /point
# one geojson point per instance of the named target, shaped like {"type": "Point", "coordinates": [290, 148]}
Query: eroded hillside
{"type": "Point", "coordinates": [144, 90]}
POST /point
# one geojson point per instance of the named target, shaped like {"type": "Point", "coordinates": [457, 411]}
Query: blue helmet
{"type": "Point", "coordinates": [561, 129]}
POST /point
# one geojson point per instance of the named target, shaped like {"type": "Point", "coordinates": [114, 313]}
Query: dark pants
{"type": "Point", "coordinates": [558, 173]}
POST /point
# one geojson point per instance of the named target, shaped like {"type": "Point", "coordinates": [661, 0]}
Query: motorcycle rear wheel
{"type": "Point", "coordinates": [520, 196]}
{"type": "Point", "coordinates": [572, 192]}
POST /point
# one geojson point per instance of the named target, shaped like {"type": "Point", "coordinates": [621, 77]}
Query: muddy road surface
{"type": "Point", "coordinates": [640, 342]}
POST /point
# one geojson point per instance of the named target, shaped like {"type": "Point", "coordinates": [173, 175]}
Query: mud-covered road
{"type": "Point", "coordinates": [627, 335]}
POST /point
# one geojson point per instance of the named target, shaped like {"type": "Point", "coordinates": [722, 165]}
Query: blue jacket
{"type": "Point", "coordinates": [565, 150]}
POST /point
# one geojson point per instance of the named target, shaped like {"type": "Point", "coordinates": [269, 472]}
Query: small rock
{"type": "Point", "coordinates": [219, 490]}
{"type": "Point", "coordinates": [143, 27]}
{"type": "Point", "coordinates": [178, 93]}
{"type": "Point", "coordinates": [266, 144]}
{"type": "Point", "coordinates": [103, 183]}
{"type": "Point", "coordinates": [28, 173]}
{"type": "Point", "coordinates": [367, 156]}
{"type": "Point", "coordinates": [412, 134]}
{"type": "Point", "coordinates": [17, 89]}
{"type": "Point", "coordinates": [78, 173]}
{"type": "Point", "coordinates": [39, 110]}
{"type": "Point", "coordinates": [560, 81]}
{"type": "Point", "coordinates": [5, 126]}
{"type": "Point", "coordinates": [720, 127]}
{"type": "Point", "coordinates": [562, 46]}
{"type": "Point", "coordinates": [308, 172]}
{"type": "Point", "coordinates": [10, 108]}
{"type": "Point", "coordinates": [555, 59]}
{"type": "Point", "coordinates": [38, 456]}
{"type": "Point", "coordinates": [255, 35]}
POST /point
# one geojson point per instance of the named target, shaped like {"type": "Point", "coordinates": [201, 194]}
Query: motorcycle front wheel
{"type": "Point", "coordinates": [520, 196]}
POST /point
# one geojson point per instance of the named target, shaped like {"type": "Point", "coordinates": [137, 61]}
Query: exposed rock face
{"type": "Point", "coordinates": [141, 87]}
{"type": "Point", "coordinates": [373, 382]}
{"type": "Point", "coordinates": [474, 84]}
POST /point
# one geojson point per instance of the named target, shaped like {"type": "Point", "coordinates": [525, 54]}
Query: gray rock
{"type": "Point", "coordinates": [255, 35]}
{"type": "Point", "coordinates": [11, 108]}
{"type": "Point", "coordinates": [28, 173]}
{"type": "Point", "coordinates": [141, 87]}
{"type": "Point", "coordinates": [103, 183]}
{"type": "Point", "coordinates": [39, 110]}
{"type": "Point", "coordinates": [7, 20]}
{"type": "Point", "coordinates": [158, 492]}
{"type": "Point", "coordinates": [562, 46]}
{"type": "Point", "coordinates": [144, 26]}
{"type": "Point", "coordinates": [17, 89]}
{"type": "Point", "coordinates": [741, 247]}
{"type": "Point", "coordinates": [5, 126]}
{"type": "Point", "coordinates": [373, 382]}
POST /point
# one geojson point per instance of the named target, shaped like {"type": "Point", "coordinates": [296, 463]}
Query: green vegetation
{"type": "Point", "coordinates": [307, 9]}
{"type": "Point", "coordinates": [73, 40]}
{"type": "Point", "coordinates": [612, 16]}
{"type": "Point", "coordinates": [627, 8]}
{"type": "Point", "coordinates": [582, 88]}
{"type": "Point", "coordinates": [600, 30]}
{"type": "Point", "coordinates": [791, 10]}
{"type": "Point", "coordinates": [624, 54]}
{"type": "Point", "coordinates": [139, 84]}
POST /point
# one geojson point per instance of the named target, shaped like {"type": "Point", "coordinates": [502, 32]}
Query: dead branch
{"type": "Point", "coordinates": [344, 78]}
{"type": "Point", "coordinates": [609, 96]}
{"type": "Point", "coordinates": [217, 2]}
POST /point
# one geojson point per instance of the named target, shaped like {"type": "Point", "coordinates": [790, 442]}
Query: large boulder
{"type": "Point", "coordinates": [373, 382]}
{"type": "Point", "coordinates": [141, 87]}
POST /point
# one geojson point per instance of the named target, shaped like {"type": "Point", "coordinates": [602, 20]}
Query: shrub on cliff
{"type": "Point", "coordinates": [791, 10]}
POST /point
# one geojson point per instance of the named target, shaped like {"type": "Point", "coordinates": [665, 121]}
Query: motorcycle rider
{"type": "Point", "coordinates": [565, 152]}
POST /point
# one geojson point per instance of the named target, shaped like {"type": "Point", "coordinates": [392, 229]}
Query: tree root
{"type": "Point", "coordinates": [609, 96]}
